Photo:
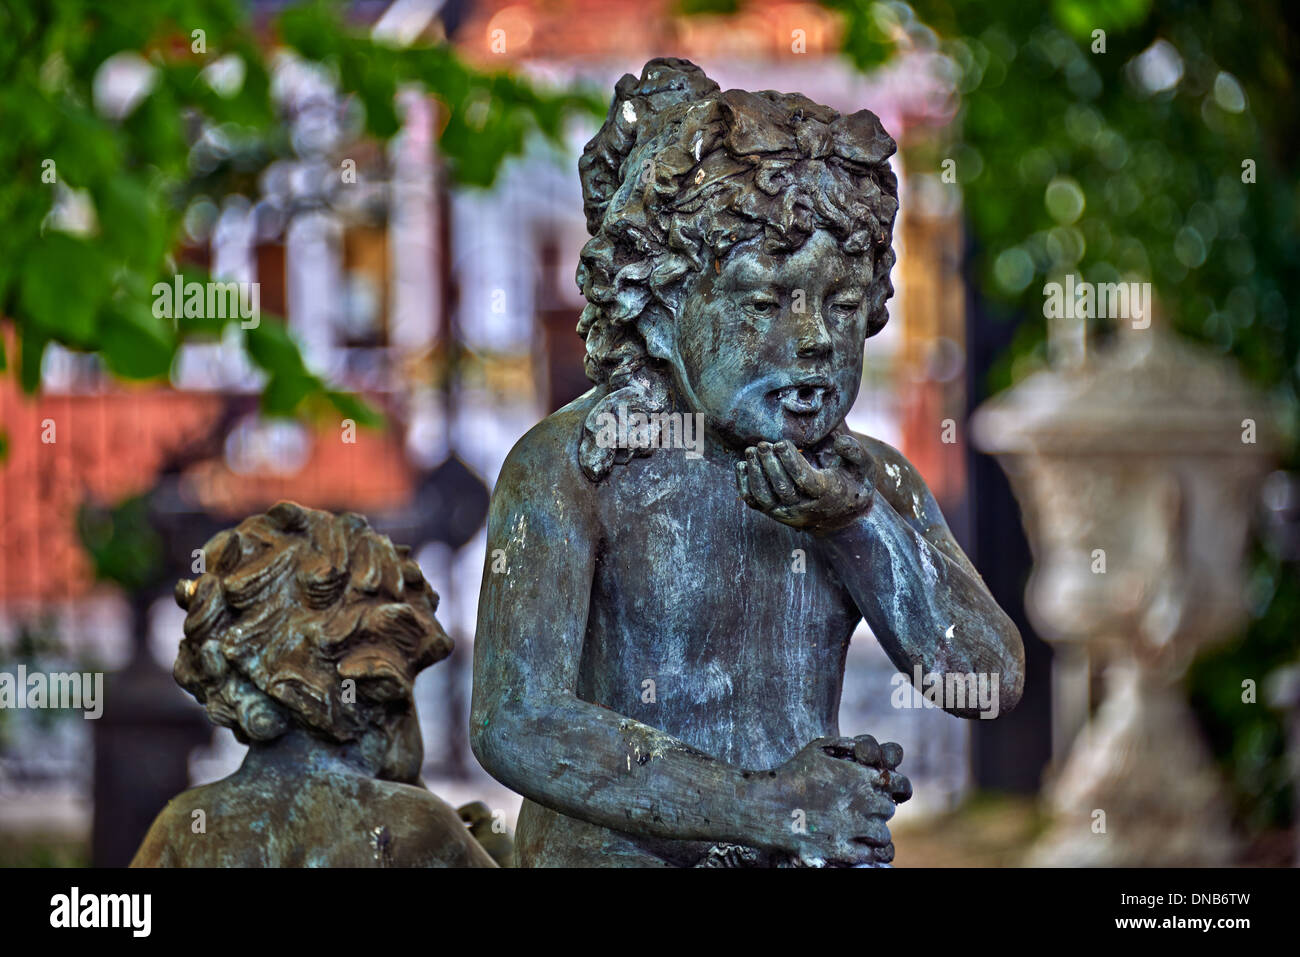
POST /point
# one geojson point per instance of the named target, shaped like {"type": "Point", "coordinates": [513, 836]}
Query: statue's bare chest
{"type": "Point", "coordinates": [707, 617]}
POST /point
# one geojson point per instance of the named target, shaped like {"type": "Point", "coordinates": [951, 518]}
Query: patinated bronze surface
{"type": "Point", "coordinates": [662, 630]}
{"type": "Point", "coordinates": [304, 636]}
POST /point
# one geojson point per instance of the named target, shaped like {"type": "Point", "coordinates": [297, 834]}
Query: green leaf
{"type": "Point", "coordinates": [206, 325]}
{"type": "Point", "coordinates": [1081, 17]}
{"type": "Point", "coordinates": [63, 283]}
{"type": "Point", "coordinates": [286, 391]}
{"type": "Point", "coordinates": [31, 349]}
{"type": "Point", "coordinates": [352, 406]}
{"type": "Point", "coordinates": [377, 88]}
{"type": "Point", "coordinates": [134, 343]}
{"type": "Point", "coordinates": [311, 29]}
{"type": "Point", "coordinates": [123, 545]}
{"type": "Point", "coordinates": [7, 276]}
{"type": "Point", "coordinates": [86, 148]}
{"type": "Point", "coordinates": [272, 347]}
{"type": "Point", "coordinates": [130, 220]}
{"type": "Point", "coordinates": [716, 7]}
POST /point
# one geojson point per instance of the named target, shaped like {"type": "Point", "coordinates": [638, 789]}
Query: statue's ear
{"type": "Point", "coordinates": [656, 328]}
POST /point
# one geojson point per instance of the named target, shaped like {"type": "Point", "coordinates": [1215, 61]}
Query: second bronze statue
{"type": "Point", "coordinates": [304, 636]}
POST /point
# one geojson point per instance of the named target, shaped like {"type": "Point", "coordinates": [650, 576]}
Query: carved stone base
{"type": "Point", "coordinates": [1142, 762]}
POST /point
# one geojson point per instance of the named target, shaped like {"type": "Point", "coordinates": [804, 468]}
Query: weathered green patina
{"type": "Point", "coordinates": [304, 636]}
{"type": "Point", "coordinates": [662, 630]}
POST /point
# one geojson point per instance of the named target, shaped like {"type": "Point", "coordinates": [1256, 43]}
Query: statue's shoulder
{"type": "Point", "coordinates": [889, 458]}
{"type": "Point", "coordinates": [900, 481]}
{"type": "Point", "coordinates": [166, 842]}
{"type": "Point", "coordinates": [422, 830]}
{"type": "Point", "coordinates": [204, 796]}
{"type": "Point", "coordinates": [545, 459]}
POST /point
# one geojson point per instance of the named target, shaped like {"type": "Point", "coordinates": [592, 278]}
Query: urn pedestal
{"type": "Point", "coordinates": [1137, 470]}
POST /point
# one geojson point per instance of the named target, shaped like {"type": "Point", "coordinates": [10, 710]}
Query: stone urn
{"type": "Point", "coordinates": [1137, 470]}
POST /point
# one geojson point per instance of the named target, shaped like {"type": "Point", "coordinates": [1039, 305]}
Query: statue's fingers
{"type": "Point", "coordinates": [873, 832]}
{"type": "Point", "coordinates": [791, 515]}
{"type": "Point", "coordinates": [807, 479]}
{"type": "Point", "coordinates": [742, 485]}
{"type": "Point", "coordinates": [758, 486]}
{"type": "Point", "coordinates": [781, 483]}
{"type": "Point", "coordinates": [899, 788]}
{"type": "Point", "coordinates": [837, 747]}
{"type": "Point", "coordinates": [866, 750]}
{"type": "Point", "coordinates": [849, 449]}
{"type": "Point", "coordinates": [892, 754]}
{"type": "Point", "coordinates": [875, 803]}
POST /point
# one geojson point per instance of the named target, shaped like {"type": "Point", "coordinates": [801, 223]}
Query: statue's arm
{"type": "Point", "coordinates": [923, 599]}
{"type": "Point", "coordinates": [529, 728]}
{"type": "Point", "coordinates": [155, 850]}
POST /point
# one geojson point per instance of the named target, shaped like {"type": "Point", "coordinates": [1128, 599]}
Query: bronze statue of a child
{"type": "Point", "coordinates": [304, 636]}
{"type": "Point", "coordinates": [662, 636]}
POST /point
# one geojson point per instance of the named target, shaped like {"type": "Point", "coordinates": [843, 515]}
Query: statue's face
{"type": "Point", "coordinates": [769, 347]}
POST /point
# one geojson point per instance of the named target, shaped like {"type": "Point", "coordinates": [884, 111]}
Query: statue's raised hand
{"type": "Point", "coordinates": [833, 799]}
{"type": "Point", "coordinates": [779, 481]}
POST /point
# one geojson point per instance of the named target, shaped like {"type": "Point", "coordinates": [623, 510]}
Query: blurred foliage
{"type": "Point", "coordinates": [1126, 163]}
{"type": "Point", "coordinates": [43, 851]}
{"type": "Point", "coordinates": [1251, 739]}
{"type": "Point", "coordinates": [706, 7]}
{"type": "Point", "coordinates": [988, 829]}
{"type": "Point", "coordinates": [88, 285]}
{"type": "Point", "coordinates": [123, 545]}
{"type": "Point", "coordinates": [1119, 155]}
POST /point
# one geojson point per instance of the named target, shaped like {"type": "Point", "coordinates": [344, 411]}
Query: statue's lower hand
{"type": "Point", "coordinates": [778, 481]}
{"type": "Point", "coordinates": [840, 793]}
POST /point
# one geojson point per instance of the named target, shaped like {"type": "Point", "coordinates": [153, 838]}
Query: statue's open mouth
{"type": "Point", "coordinates": [802, 399]}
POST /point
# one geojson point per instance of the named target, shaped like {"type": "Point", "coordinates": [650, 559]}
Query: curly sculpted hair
{"type": "Point", "coordinates": [679, 175]}
{"type": "Point", "coordinates": [292, 604]}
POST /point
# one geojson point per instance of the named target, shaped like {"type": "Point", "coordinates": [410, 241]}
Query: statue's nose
{"type": "Point", "coordinates": [813, 339]}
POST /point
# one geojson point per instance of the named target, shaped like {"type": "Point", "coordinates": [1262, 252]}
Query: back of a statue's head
{"type": "Point", "coordinates": [304, 618]}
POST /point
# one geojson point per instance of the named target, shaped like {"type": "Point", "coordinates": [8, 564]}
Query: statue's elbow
{"type": "Point", "coordinates": [1012, 678]}
{"type": "Point", "coordinates": [492, 734]}
{"type": "Point", "coordinates": [486, 739]}
{"type": "Point", "coordinates": [1012, 692]}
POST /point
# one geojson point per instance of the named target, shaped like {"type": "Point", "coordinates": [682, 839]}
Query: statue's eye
{"type": "Point", "coordinates": [761, 306]}
{"type": "Point", "coordinates": [845, 307]}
